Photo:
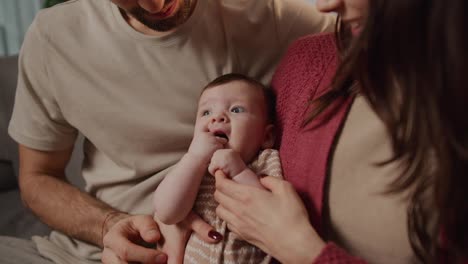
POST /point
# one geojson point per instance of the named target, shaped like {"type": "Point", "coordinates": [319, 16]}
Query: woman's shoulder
{"type": "Point", "coordinates": [306, 58]}
{"type": "Point", "coordinates": [309, 61]}
{"type": "Point", "coordinates": [315, 45]}
{"type": "Point", "coordinates": [317, 48]}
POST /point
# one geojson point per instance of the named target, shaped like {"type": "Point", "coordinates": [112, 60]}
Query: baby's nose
{"type": "Point", "coordinates": [219, 118]}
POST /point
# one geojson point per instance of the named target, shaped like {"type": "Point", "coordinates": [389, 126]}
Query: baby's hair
{"type": "Point", "coordinates": [268, 94]}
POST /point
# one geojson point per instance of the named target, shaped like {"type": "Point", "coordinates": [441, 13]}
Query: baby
{"type": "Point", "coordinates": [234, 127]}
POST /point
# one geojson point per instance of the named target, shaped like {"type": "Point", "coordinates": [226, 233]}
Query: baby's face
{"type": "Point", "coordinates": [237, 112]}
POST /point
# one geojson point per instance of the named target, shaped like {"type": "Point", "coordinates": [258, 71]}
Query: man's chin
{"type": "Point", "coordinates": [162, 25]}
{"type": "Point", "coordinates": [156, 22]}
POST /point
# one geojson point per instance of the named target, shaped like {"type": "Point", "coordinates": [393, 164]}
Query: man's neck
{"type": "Point", "coordinates": [140, 27]}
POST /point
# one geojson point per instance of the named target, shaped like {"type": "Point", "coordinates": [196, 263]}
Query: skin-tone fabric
{"type": "Point", "coordinates": [361, 220]}
{"type": "Point", "coordinates": [133, 96]}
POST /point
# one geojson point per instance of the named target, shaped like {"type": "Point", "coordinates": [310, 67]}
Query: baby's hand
{"type": "Point", "coordinates": [204, 144]}
{"type": "Point", "coordinates": [227, 160]}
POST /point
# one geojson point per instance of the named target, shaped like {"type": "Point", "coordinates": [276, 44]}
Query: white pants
{"type": "Point", "coordinates": [18, 251]}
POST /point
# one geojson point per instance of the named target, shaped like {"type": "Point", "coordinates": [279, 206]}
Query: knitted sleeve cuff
{"type": "Point", "coordinates": [332, 254]}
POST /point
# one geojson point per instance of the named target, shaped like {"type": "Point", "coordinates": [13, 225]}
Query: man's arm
{"type": "Point", "coordinates": [174, 198]}
{"type": "Point", "coordinates": [45, 190]}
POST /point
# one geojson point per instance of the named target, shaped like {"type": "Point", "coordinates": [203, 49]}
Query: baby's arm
{"type": "Point", "coordinates": [174, 198]}
{"type": "Point", "coordinates": [231, 163]}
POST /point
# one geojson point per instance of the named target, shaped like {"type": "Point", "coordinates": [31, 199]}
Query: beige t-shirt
{"type": "Point", "coordinates": [361, 219]}
{"type": "Point", "coordinates": [134, 97]}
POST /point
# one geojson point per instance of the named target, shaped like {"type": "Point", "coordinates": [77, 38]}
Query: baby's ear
{"type": "Point", "coordinates": [269, 137]}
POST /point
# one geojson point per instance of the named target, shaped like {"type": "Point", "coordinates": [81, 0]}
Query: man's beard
{"type": "Point", "coordinates": [164, 24]}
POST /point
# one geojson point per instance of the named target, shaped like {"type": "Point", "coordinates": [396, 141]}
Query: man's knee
{"type": "Point", "coordinates": [17, 250]}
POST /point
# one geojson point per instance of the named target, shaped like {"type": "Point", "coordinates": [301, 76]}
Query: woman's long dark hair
{"type": "Point", "coordinates": [410, 63]}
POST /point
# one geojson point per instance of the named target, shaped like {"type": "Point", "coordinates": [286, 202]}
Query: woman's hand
{"type": "Point", "coordinates": [275, 221]}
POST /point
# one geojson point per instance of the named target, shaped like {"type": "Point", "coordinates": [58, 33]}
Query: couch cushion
{"type": "Point", "coordinates": [16, 220]}
{"type": "Point", "coordinates": [8, 150]}
{"type": "Point", "coordinates": [7, 176]}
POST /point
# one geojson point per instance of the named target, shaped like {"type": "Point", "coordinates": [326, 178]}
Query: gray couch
{"type": "Point", "coordinates": [15, 219]}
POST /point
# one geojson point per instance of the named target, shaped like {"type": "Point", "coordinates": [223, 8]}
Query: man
{"type": "Point", "coordinates": [127, 75]}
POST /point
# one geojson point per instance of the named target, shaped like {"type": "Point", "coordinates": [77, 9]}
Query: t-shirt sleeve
{"type": "Point", "coordinates": [297, 18]}
{"type": "Point", "coordinates": [332, 254]}
{"type": "Point", "coordinates": [37, 121]}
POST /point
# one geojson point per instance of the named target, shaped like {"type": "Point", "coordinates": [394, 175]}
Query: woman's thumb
{"type": "Point", "coordinates": [271, 183]}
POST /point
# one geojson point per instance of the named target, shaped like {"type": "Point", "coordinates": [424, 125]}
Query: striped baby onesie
{"type": "Point", "coordinates": [231, 250]}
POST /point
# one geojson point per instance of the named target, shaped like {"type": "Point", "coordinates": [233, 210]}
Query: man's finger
{"type": "Point", "coordinates": [202, 229]}
{"type": "Point", "coordinates": [109, 257]}
{"type": "Point", "coordinates": [128, 251]}
{"type": "Point", "coordinates": [147, 228]}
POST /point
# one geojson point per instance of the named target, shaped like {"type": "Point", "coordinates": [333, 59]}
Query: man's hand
{"type": "Point", "coordinates": [124, 236]}
{"type": "Point", "coordinates": [228, 161]}
{"type": "Point", "coordinates": [175, 237]}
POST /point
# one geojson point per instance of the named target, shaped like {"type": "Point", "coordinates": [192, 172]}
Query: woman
{"type": "Point", "coordinates": [373, 137]}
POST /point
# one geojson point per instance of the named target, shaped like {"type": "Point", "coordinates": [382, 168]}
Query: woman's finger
{"type": "Point", "coordinates": [275, 185]}
{"type": "Point", "coordinates": [227, 216]}
{"type": "Point", "coordinates": [201, 228]}
{"type": "Point", "coordinates": [233, 189]}
{"type": "Point", "coordinates": [219, 174]}
{"type": "Point", "coordinates": [228, 202]}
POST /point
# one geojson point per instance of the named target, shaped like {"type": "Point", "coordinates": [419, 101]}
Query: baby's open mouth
{"type": "Point", "coordinates": [220, 134]}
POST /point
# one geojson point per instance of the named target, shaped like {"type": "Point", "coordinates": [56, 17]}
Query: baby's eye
{"type": "Point", "coordinates": [237, 109]}
{"type": "Point", "coordinates": [206, 112]}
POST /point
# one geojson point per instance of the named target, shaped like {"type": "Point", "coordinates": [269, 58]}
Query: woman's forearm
{"type": "Point", "coordinates": [174, 198]}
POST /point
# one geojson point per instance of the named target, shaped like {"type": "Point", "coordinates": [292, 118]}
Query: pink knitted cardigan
{"type": "Point", "coordinates": [306, 72]}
